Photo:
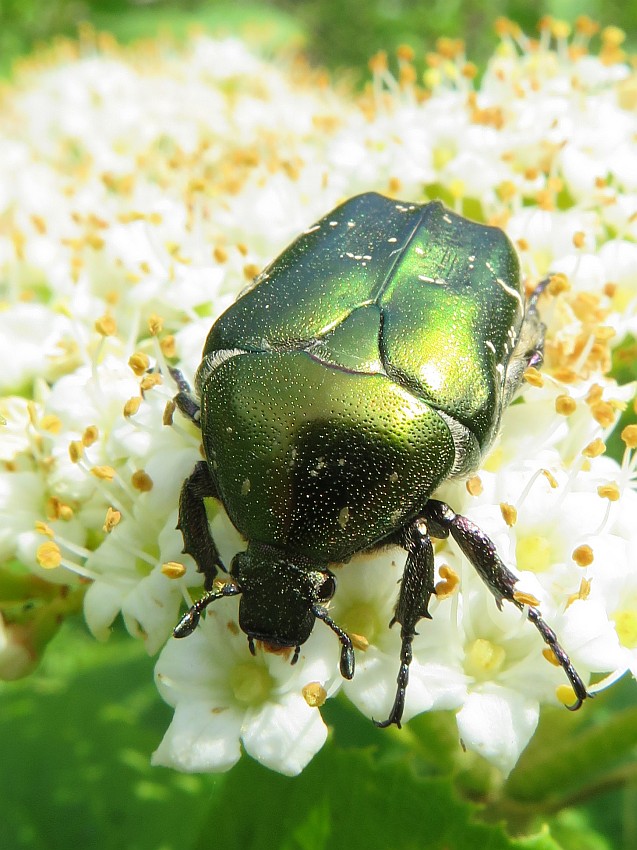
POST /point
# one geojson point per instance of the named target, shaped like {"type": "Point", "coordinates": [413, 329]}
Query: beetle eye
{"type": "Point", "coordinates": [327, 589]}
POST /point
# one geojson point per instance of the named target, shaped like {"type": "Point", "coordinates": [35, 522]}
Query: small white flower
{"type": "Point", "coordinates": [497, 723]}
{"type": "Point", "coordinates": [224, 697]}
{"type": "Point", "coordinates": [33, 342]}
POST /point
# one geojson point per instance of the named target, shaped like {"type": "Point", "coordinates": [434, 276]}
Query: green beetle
{"type": "Point", "coordinates": [366, 365]}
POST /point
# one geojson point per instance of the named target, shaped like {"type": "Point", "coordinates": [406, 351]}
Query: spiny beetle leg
{"type": "Point", "coordinates": [193, 522]}
{"type": "Point", "coordinates": [190, 620]}
{"type": "Point", "coordinates": [536, 356]}
{"type": "Point", "coordinates": [481, 552]}
{"type": "Point", "coordinates": [416, 588]}
{"type": "Point", "coordinates": [185, 398]}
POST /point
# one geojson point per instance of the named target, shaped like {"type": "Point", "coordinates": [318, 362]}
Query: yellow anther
{"type": "Point", "coordinates": [579, 239]}
{"type": "Point", "coordinates": [44, 528]}
{"type": "Point", "coordinates": [48, 555]}
{"type": "Point", "coordinates": [139, 363]}
{"type": "Point", "coordinates": [583, 555]}
{"type": "Point", "coordinates": [525, 598]}
{"type": "Point", "coordinates": [250, 271]}
{"type": "Point", "coordinates": [604, 413]}
{"type": "Point", "coordinates": [359, 641]}
{"type": "Point", "coordinates": [90, 435]}
{"type": "Point", "coordinates": [148, 382]}
{"type": "Point", "coordinates": [449, 584]}
{"type": "Point", "coordinates": [132, 405]}
{"type": "Point", "coordinates": [105, 473]}
{"type": "Point", "coordinates": [113, 518]}
{"type": "Point", "coordinates": [586, 26]}
{"type": "Point", "coordinates": [551, 657]}
{"type": "Point", "coordinates": [106, 325]}
{"type": "Point", "coordinates": [509, 514]}
{"type": "Point", "coordinates": [583, 592]}
{"type": "Point", "coordinates": [155, 324]}
{"type": "Point", "coordinates": [629, 436]}
{"type": "Point", "coordinates": [405, 53]}
{"type": "Point", "coordinates": [533, 377]}
{"type": "Point", "coordinates": [142, 481]}
{"type": "Point", "coordinates": [168, 346]}
{"type": "Point", "coordinates": [474, 485]}
{"type": "Point", "coordinates": [76, 450]}
{"type": "Point", "coordinates": [314, 694]}
{"type": "Point", "coordinates": [594, 449]}
{"type": "Point", "coordinates": [613, 36]}
{"type": "Point", "coordinates": [559, 283]}
{"type": "Point", "coordinates": [565, 405]}
{"type": "Point", "coordinates": [609, 491]}
{"type": "Point", "coordinates": [173, 569]}
{"type": "Point", "coordinates": [169, 410]}
{"type": "Point", "coordinates": [560, 29]}
{"type": "Point", "coordinates": [378, 62]}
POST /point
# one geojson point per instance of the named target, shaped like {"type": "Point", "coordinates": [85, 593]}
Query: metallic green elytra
{"type": "Point", "coordinates": [368, 364]}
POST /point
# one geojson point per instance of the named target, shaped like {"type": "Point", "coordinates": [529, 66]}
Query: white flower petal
{"type": "Point", "coordinates": [498, 723]}
{"type": "Point", "coordinates": [199, 740]}
{"type": "Point", "coordinates": [284, 736]}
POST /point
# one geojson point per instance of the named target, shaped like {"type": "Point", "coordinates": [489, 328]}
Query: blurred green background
{"type": "Point", "coordinates": [334, 33]}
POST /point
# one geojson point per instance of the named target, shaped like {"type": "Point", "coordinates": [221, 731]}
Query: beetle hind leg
{"type": "Point", "coordinates": [481, 551]}
{"type": "Point", "coordinates": [416, 588]}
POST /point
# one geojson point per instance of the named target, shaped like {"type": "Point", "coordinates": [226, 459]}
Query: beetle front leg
{"type": "Point", "coordinates": [416, 588]}
{"type": "Point", "coordinates": [193, 522]}
{"type": "Point", "coordinates": [481, 552]}
{"type": "Point", "coordinates": [185, 398]}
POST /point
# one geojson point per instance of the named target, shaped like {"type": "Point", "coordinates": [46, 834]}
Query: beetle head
{"type": "Point", "coordinates": [281, 600]}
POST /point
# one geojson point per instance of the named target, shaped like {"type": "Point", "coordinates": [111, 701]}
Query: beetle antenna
{"type": "Point", "coordinates": [190, 620]}
{"type": "Point", "coordinates": [347, 651]}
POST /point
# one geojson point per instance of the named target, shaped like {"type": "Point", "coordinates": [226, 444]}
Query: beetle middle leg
{"type": "Point", "coordinates": [198, 542]}
{"type": "Point", "coordinates": [481, 551]}
{"type": "Point", "coordinates": [416, 588]}
{"type": "Point", "coordinates": [193, 522]}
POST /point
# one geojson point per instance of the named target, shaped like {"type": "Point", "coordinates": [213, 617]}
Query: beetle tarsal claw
{"type": "Point", "coordinates": [347, 652]}
{"type": "Point", "coordinates": [190, 620]}
{"type": "Point", "coordinates": [187, 624]}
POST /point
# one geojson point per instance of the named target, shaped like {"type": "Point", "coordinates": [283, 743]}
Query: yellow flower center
{"type": "Point", "coordinates": [360, 620]}
{"type": "Point", "coordinates": [533, 552]}
{"type": "Point", "coordinates": [251, 683]}
{"type": "Point", "coordinates": [484, 659]}
{"type": "Point", "coordinates": [626, 625]}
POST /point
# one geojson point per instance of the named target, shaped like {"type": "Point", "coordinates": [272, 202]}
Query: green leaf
{"type": "Point", "coordinates": [346, 799]}
{"type": "Point", "coordinates": [580, 759]}
{"type": "Point", "coordinates": [76, 740]}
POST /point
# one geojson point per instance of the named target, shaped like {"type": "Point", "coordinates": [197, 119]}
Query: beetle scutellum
{"type": "Point", "coordinates": [368, 364]}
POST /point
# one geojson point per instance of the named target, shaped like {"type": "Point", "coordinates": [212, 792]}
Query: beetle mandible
{"type": "Point", "coordinates": [368, 364]}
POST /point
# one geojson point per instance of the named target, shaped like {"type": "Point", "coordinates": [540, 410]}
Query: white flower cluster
{"type": "Point", "coordinates": [140, 192]}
